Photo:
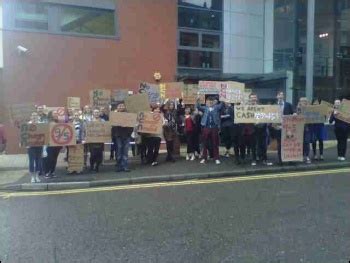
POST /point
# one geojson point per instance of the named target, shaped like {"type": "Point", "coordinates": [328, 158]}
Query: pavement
{"type": "Point", "coordinates": [14, 174]}
{"type": "Point", "coordinates": [269, 219]}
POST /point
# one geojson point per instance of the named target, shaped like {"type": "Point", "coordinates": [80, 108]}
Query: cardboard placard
{"type": "Point", "coordinates": [258, 114]}
{"type": "Point", "coordinates": [209, 87]}
{"type": "Point", "coordinates": [76, 158]}
{"type": "Point", "coordinates": [152, 90]}
{"type": "Point", "coordinates": [292, 138]}
{"type": "Point", "coordinates": [314, 113]}
{"type": "Point", "coordinates": [329, 107]}
{"type": "Point", "coordinates": [123, 119]}
{"type": "Point", "coordinates": [34, 134]}
{"type": "Point", "coordinates": [61, 112]}
{"type": "Point", "coordinates": [98, 132]}
{"type": "Point", "coordinates": [137, 103]}
{"type": "Point", "coordinates": [149, 122]}
{"type": "Point", "coordinates": [61, 134]}
{"type": "Point", "coordinates": [21, 113]}
{"type": "Point", "coordinates": [344, 111]}
{"type": "Point", "coordinates": [119, 95]}
{"type": "Point", "coordinates": [73, 103]}
{"type": "Point", "coordinates": [171, 90]}
{"type": "Point", "coordinates": [232, 92]}
{"type": "Point", "coordinates": [190, 94]}
{"type": "Point", "coordinates": [100, 98]}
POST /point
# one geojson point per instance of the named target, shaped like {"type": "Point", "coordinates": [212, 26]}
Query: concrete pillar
{"type": "Point", "coordinates": [268, 35]}
{"type": "Point", "coordinates": [310, 49]}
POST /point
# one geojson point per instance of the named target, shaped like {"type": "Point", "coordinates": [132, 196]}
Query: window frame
{"type": "Point", "coordinates": [54, 18]}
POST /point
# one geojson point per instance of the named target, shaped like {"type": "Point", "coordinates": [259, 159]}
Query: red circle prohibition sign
{"type": "Point", "coordinates": [156, 116]}
{"type": "Point", "coordinates": [62, 134]}
{"type": "Point", "coordinates": [61, 111]}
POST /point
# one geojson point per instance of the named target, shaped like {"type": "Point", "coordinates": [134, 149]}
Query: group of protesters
{"type": "Point", "coordinates": [199, 125]}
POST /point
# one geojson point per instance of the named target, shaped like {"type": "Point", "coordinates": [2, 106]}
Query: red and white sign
{"type": "Point", "coordinates": [62, 134]}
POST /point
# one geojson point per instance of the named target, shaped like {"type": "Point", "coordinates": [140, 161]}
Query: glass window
{"type": "Point", "coordinates": [199, 59]}
{"type": "Point", "coordinates": [210, 41]}
{"type": "Point", "coordinates": [189, 39]}
{"type": "Point", "coordinates": [207, 4]}
{"type": "Point", "coordinates": [87, 21]}
{"type": "Point", "coordinates": [31, 16]}
{"type": "Point", "coordinates": [201, 19]}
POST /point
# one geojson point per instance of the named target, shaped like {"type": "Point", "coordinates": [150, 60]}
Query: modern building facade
{"type": "Point", "coordinates": [73, 46]}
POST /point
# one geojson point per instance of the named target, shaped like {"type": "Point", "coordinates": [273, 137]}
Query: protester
{"type": "Point", "coordinates": [51, 152]}
{"type": "Point", "coordinates": [104, 115]}
{"type": "Point", "coordinates": [190, 133]}
{"type": "Point", "coordinates": [286, 109]}
{"type": "Point", "coordinates": [86, 117]}
{"type": "Point", "coordinates": [210, 127]}
{"type": "Point", "coordinates": [238, 141]}
{"type": "Point", "coordinates": [43, 118]}
{"type": "Point", "coordinates": [170, 128]}
{"type": "Point", "coordinates": [303, 102]}
{"type": "Point", "coordinates": [123, 137]}
{"type": "Point", "coordinates": [35, 154]}
{"type": "Point", "coordinates": [96, 149]}
{"type": "Point", "coordinates": [3, 140]}
{"type": "Point", "coordinates": [227, 127]}
{"type": "Point", "coordinates": [341, 130]}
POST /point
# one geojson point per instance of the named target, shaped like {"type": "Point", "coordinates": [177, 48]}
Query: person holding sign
{"type": "Point", "coordinates": [303, 102]}
{"type": "Point", "coordinates": [341, 130]}
{"type": "Point", "coordinates": [190, 133]}
{"type": "Point", "coordinates": [170, 128]}
{"type": "Point", "coordinates": [123, 137]}
{"type": "Point", "coordinates": [210, 127]}
{"type": "Point", "coordinates": [318, 134]}
{"type": "Point", "coordinates": [227, 127]}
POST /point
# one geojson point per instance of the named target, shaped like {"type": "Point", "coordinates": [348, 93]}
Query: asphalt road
{"type": "Point", "coordinates": [299, 219]}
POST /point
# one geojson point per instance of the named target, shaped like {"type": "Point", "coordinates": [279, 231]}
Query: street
{"type": "Point", "coordinates": [302, 218]}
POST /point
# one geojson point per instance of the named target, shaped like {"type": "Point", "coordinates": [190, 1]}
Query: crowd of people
{"type": "Point", "coordinates": [203, 127]}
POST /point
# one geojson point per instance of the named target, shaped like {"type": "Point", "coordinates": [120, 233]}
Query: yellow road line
{"type": "Point", "coordinates": [179, 183]}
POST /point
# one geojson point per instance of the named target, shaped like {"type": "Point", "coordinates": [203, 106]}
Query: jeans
{"type": "Point", "coordinates": [342, 138]}
{"type": "Point", "coordinates": [153, 145]}
{"type": "Point", "coordinates": [51, 159]}
{"type": "Point", "coordinates": [35, 160]}
{"type": "Point", "coordinates": [96, 155]}
{"type": "Point", "coordinates": [227, 136]}
{"type": "Point", "coordinates": [210, 135]}
{"type": "Point", "coordinates": [123, 145]}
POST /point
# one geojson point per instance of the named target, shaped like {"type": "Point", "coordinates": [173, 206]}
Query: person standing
{"type": "Point", "coordinates": [227, 127]}
{"type": "Point", "coordinates": [189, 128]}
{"type": "Point", "coordinates": [86, 117]}
{"type": "Point", "coordinates": [210, 127]}
{"type": "Point", "coordinates": [170, 128]}
{"type": "Point", "coordinates": [286, 109]}
{"type": "Point", "coordinates": [341, 130]}
{"type": "Point", "coordinates": [303, 102]}
{"type": "Point", "coordinates": [238, 142]}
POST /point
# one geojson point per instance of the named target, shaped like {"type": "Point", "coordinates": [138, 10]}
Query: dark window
{"type": "Point", "coordinates": [199, 59]}
{"type": "Point", "coordinates": [205, 4]}
{"type": "Point", "coordinates": [31, 16]}
{"type": "Point", "coordinates": [87, 21]}
{"type": "Point", "coordinates": [201, 19]}
{"type": "Point", "coordinates": [189, 39]}
{"type": "Point", "coordinates": [210, 41]}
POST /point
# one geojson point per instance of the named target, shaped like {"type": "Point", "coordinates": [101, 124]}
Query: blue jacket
{"type": "Point", "coordinates": [216, 112]}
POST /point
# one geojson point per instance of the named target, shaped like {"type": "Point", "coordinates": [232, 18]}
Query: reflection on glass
{"type": "Point", "coordinates": [189, 39]}
{"type": "Point", "coordinates": [199, 59]}
{"type": "Point", "coordinates": [200, 19]}
{"type": "Point", "coordinates": [31, 16]}
{"type": "Point", "coordinates": [210, 41]}
{"type": "Point", "coordinates": [87, 21]}
{"type": "Point", "coordinates": [208, 4]}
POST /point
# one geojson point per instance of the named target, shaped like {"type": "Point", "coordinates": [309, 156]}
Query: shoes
{"type": "Point", "coordinates": [253, 163]}
{"type": "Point", "coordinates": [187, 157]}
{"type": "Point", "coordinates": [321, 158]}
{"type": "Point", "coordinates": [37, 179]}
{"type": "Point", "coordinates": [307, 160]}
{"type": "Point", "coordinates": [217, 162]}
{"type": "Point", "coordinates": [193, 157]}
{"type": "Point", "coordinates": [342, 159]}
{"type": "Point", "coordinates": [202, 161]}
{"type": "Point", "coordinates": [126, 170]}
{"type": "Point", "coordinates": [227, 154]}
{"type": "Point", "coordinates": [47, 176]}
{"type": "Point", "coordinates": [267, 163]}
{"type": "Point", "coordinates": [33, 178]}
{"type": "Point", "coordinates": [316, 158]}
{"type": "Point", "coordinates": [154, 163]}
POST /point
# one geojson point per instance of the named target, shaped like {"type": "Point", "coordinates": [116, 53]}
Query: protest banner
{"type": "Point", "coordinates": [21, 113]}
{"type": "Point", "coordinates": [100, 98]}
{"type": "Point", "coordinates": [152, 90]}
{"type": "Point", "coordinates": [292, 138]}
{"type": "Point", "coordinates": [344, 111]}
{"type": "Point", "coordinates": [73, 103]}
{"type": "Point", "coordinates": [209, 87]}
{"type": "Point", "coordinates": [190, 94]}
{"type": "Point", "coordinates": [61, 134]}
{"type": "Point", "coordinates": [329, 107]}
{"type": "Point", "coordinates": [61, 112]}
{"type": "Point", "coordinates": [98, 132]}
{"type": "Point", "coordinates": [257, 114]}
{"type": "Point", "coordinates": [119, 95]}
{"type": "Point", "coordinates": [231, 92]}
{"type": "Point", "coordinates": [149, 122]}
{"type": "Point", "coordinates": [123, 119]}
{"type": "Point", "coordinates": [314, 113]}
{"type": "Point", "coordinates": [34, 134]}
{"type": "Point", "coordinates": [173, 90]}
{"type": "Point", "coordinates": [76, 158]}
{"type": "Point", "coordinates": [137, 103]}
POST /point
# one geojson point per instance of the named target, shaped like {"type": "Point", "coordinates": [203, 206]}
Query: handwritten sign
{"type": "Point", "coordinates": [137, 103]}
{"type": "Point", "coordinates": [190, 94]}
{"type": "Point", "coordinates": [314, 113]}
{"type": "Point", "coordinates": [292, 138]}
{"type": "Point", "coordinates": [344, 111]}
{"type": "Point", "coordinates": [21, 113]}
{"type": "Point", "coordinates": [209, 87]}
{"type": "Point", "coordinates": [34, 134]}
{"type": "Point", "coordinates": [61, 112]}
{"type": "Point", "coordinates": [258, 114]}
{"type": "Point", "coordinates": [100, 98]}
{"type": "Point", "coordinates": [329, 107]}
{"type": "Point", "coordinates": [98, 132]}
{"type": "Point", "coordinates": [123, 119]}
{"type": "Point", "coordinates": [149, 122]}
{"type": "Point", "coordinates": [152, 90]}
{"type": "Point", "coordinates": [231, 92]}
{"type": "Point", "coordinates": [119, 95]}
{"type": "Point", "coordinates": [61, 134]}
{"type": "Point", "coordinates": [76, 158]}
{"type": "Point", "coordinates": [172, 90]}
{"type": "Point", "coordinates": [73, 103]}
